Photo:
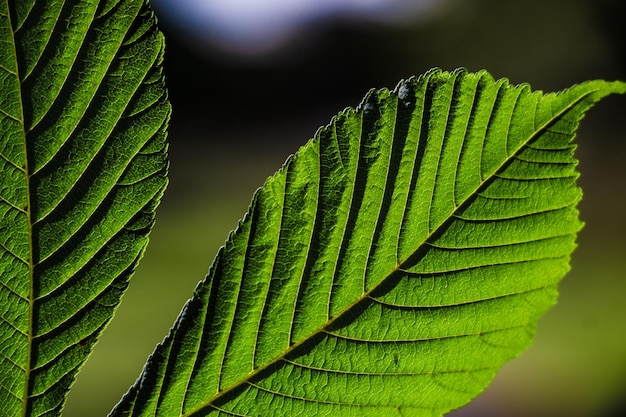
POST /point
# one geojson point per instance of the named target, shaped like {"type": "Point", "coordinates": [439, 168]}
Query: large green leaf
{"type": "Point", "coordinates": [83, 111]}
{"type": "Point", "coordinates": [391, 266]}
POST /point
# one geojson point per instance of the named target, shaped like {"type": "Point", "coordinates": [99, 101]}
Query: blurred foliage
{"type": "Point", "coordinates": [577, 366]}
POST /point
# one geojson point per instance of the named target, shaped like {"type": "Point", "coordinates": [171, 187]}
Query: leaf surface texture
{"type": "Point", "coordinates": [83, 111]}
{"type": "Point", "coordinates": [392, 265]}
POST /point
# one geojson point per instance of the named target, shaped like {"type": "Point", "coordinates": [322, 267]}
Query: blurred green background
{"type": "Point", "coordinates": [239, 113]}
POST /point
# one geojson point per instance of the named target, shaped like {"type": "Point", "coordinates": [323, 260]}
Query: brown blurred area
{"type": "Point", "coordinates": [236, 119]}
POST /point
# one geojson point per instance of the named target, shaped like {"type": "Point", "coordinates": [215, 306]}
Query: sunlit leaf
{"type": "Point", "coordinates": [391, 266]}
{"type": "Point", "coordinates": [82, 162]}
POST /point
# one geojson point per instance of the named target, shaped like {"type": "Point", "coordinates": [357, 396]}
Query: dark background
{"type": "Point", "coordinates": [236, 118]}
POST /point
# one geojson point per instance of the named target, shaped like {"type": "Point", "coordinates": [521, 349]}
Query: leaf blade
{"type": "Point", "coordinates": [374, 259]}
{"type": "Point", "coordinates": [89, 146]}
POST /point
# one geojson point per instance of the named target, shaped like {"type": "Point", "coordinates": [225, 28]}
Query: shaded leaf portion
{"type": "Point", "coordinates": [83, 158]}
{"type": "Point", "coordinates": [391, 266]}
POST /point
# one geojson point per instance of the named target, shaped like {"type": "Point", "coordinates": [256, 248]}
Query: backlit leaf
{"type": "Point", "coordinates": [82, 160]}
{"type": "Point", "coordinates": [391, 266]}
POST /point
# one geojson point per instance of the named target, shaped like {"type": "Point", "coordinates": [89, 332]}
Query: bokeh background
{"type": "Point", "coordinates": [252, 80]}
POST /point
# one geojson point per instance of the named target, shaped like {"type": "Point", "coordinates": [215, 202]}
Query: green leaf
{"type": "Point", "coordinates": [391, 266]}
{"type": "Point", "coordinates": [83, 111]}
